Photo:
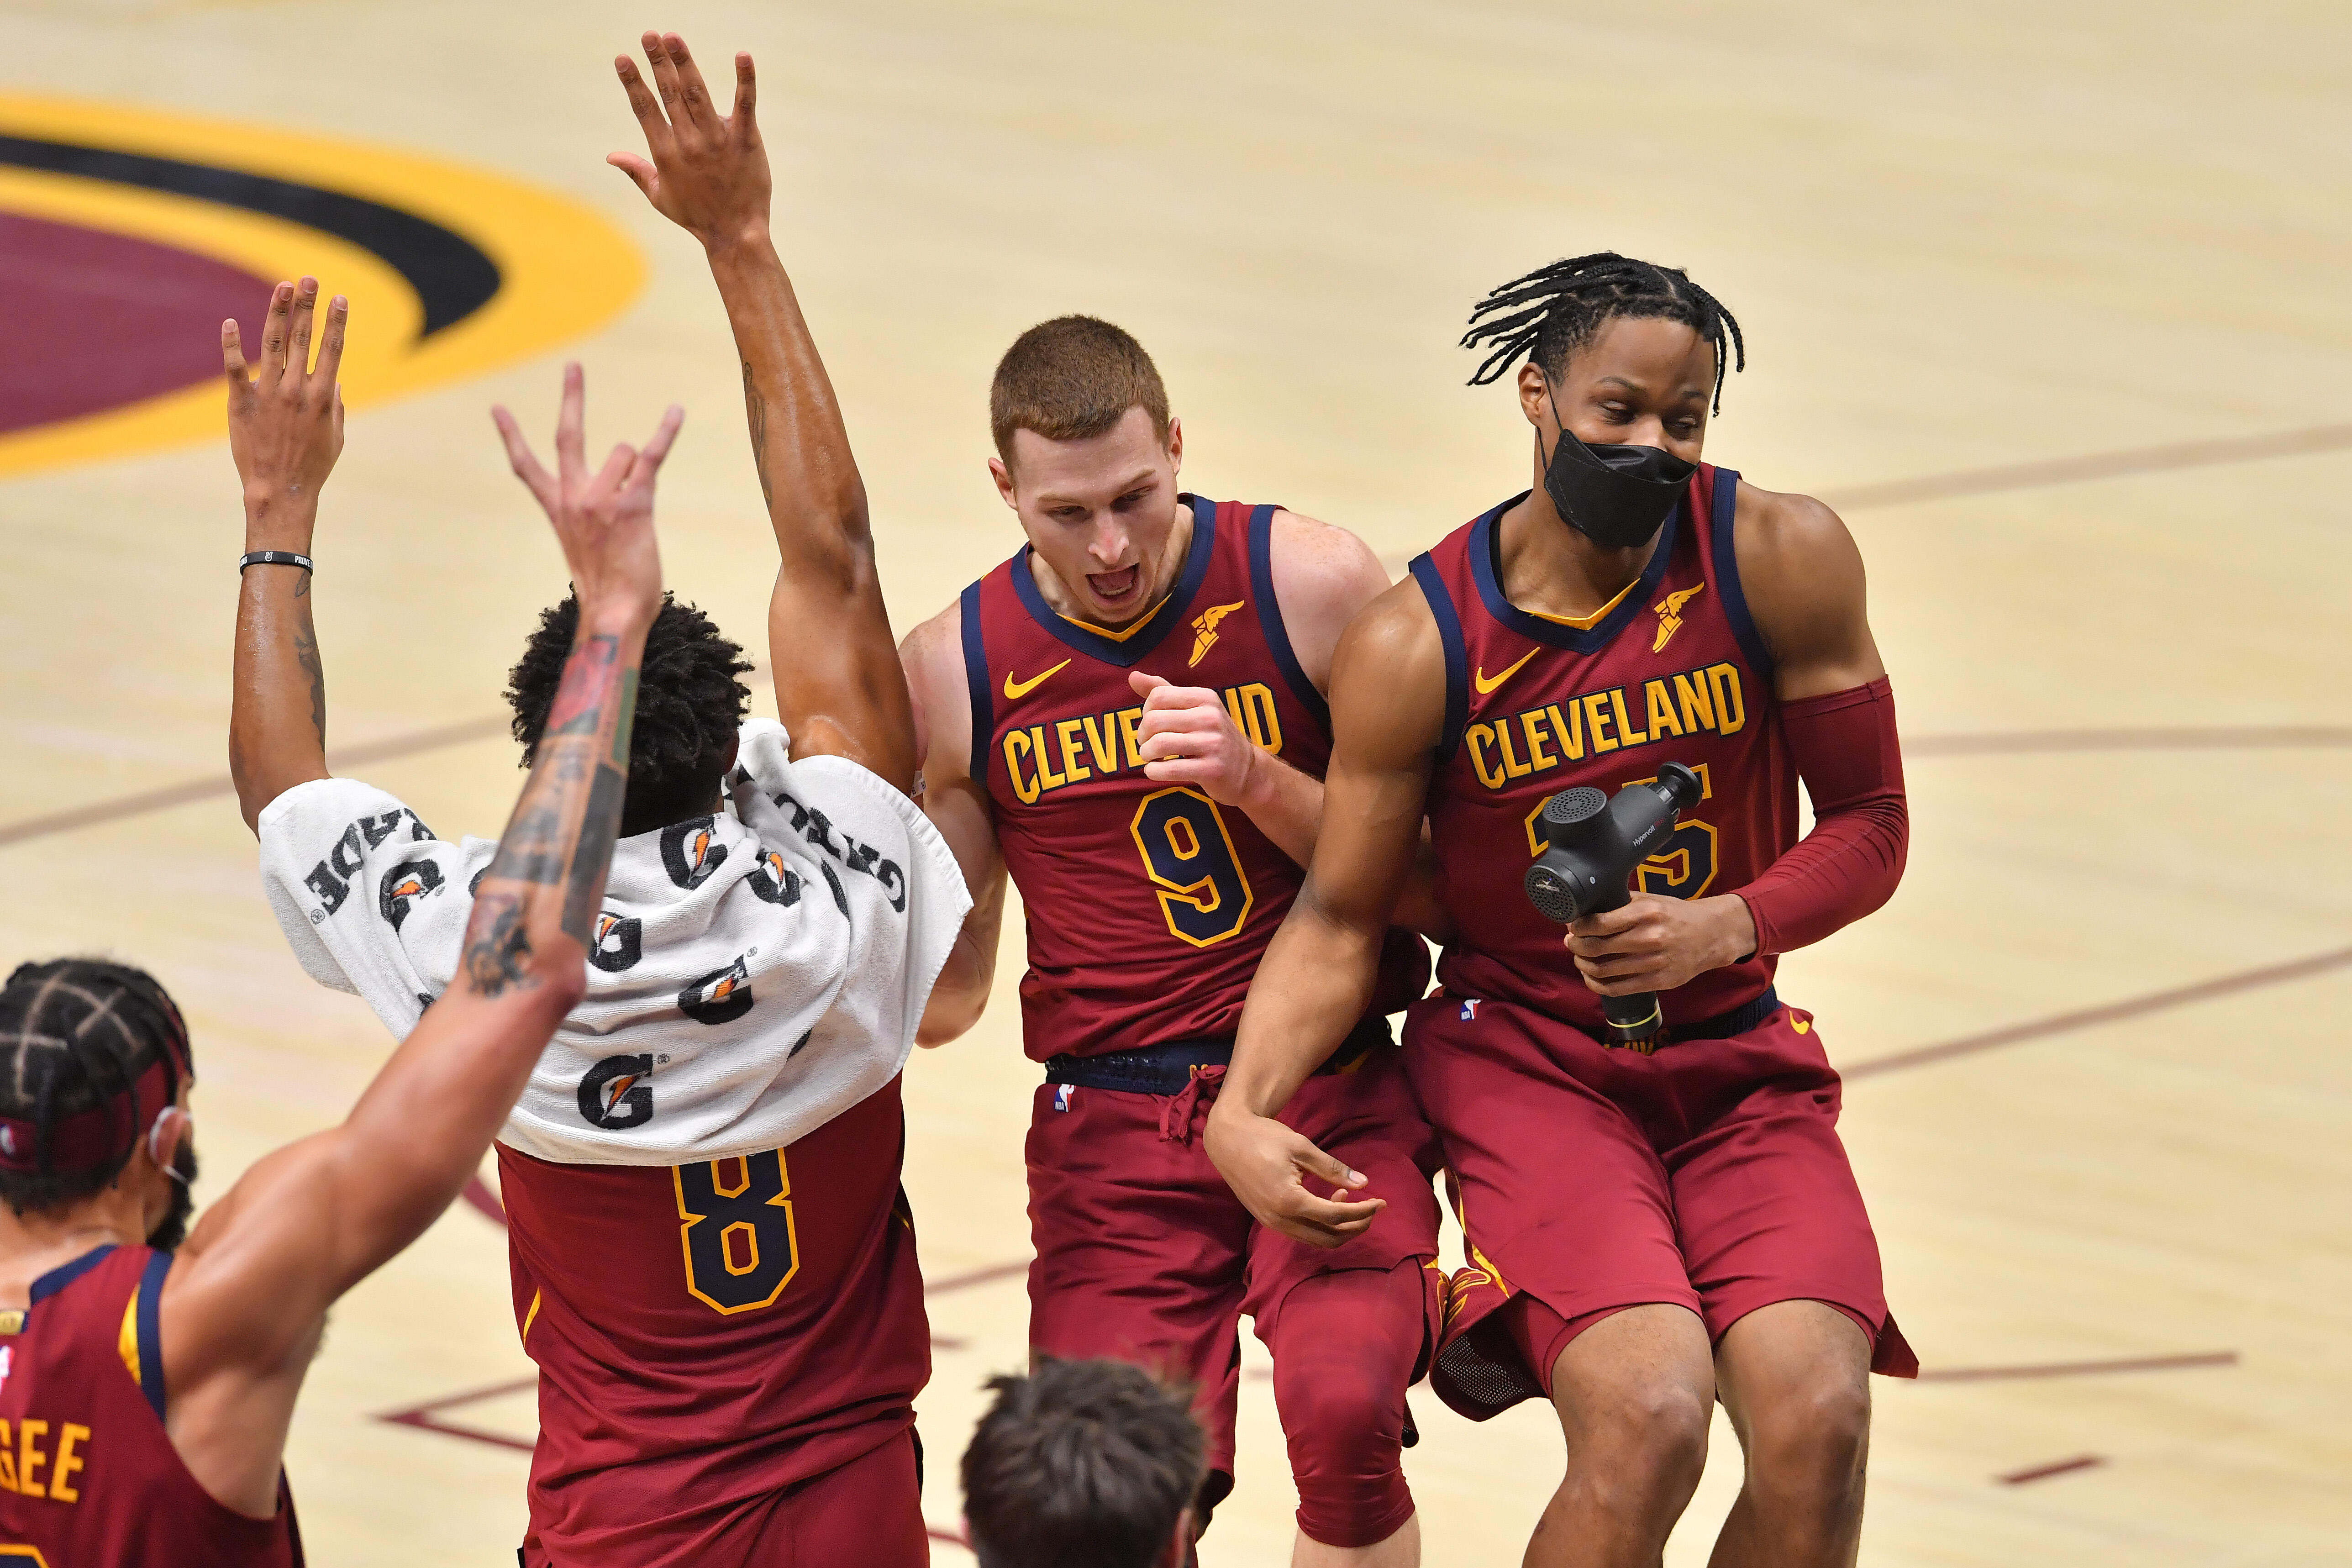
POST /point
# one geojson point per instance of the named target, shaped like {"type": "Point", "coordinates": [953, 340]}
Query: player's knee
{"type": "Point", "coordinates": [1811, 1438]}
{"type": "Point", "coordinates": [1644, 1425]}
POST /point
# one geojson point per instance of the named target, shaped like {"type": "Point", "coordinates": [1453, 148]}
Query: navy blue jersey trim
{"type": "Point", "coordinates": [1269, 617]}
{"type": "Point", "coordinates": [1486, 565]}
{"type": "Point", "coordinates": [65, 1274]}
{"type": "Point", "coordinates": [151, 1330]}
{"type": "Point", "coordinates": [1133, 650]}
{"type": "Point", "coordinates": [1727, 575]}
{"type": "Point", "coordinates": [1457, 657]}
{"type": "Point", "coordinates": [975, 677]}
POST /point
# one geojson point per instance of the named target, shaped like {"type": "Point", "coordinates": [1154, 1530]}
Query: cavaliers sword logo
{"type": "Point", "coordinates": [1205, 630]}
{"type": "Point", "coordinates": [1670, 615]}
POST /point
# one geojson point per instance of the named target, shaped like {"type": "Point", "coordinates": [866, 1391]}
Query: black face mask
{"type": "Point", "coordinates": [1617, 495]}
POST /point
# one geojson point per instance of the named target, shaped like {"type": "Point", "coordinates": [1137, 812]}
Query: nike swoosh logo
{"type": "Point", "coordinates": [1014, 690]}
{"type": "Point", "coordinates": [1486, 683]}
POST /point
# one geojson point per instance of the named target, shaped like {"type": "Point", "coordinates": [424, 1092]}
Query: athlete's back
{"type": "Point", "coordinates": [87, 1473]}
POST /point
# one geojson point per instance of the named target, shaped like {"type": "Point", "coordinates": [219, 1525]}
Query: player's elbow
{"type": "Point", "coordinates": [955, 1005]}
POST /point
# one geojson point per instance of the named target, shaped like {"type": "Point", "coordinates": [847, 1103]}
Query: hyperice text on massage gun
{"type": "Point", "coordinates": [1592, 845]}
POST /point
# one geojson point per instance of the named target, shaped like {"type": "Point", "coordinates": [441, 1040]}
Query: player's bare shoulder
{"type": "Point", "coordinates": [1801, 573]}
{"type": "Point", "coordinates": [1388, 677]}
{"type": "Point", "coordinates": [1323, 576]}
{"type": "Point", "coordinates": [933, 655]}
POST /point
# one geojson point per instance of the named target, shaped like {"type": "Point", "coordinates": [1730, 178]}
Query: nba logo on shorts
{"type": "Point", "coordinates": [1062, 1096]}
{"type": "Point", "coordinates": [1470, 1009]}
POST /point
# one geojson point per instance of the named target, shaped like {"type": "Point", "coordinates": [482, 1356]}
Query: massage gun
{"type": "Point", "coordinates": [1591, 845]}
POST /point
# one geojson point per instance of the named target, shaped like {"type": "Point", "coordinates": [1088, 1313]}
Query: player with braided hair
{"type": "Point", "coordinates": [147, 1383]}
{"type": "Point", "coordinates": [1657, 1224]}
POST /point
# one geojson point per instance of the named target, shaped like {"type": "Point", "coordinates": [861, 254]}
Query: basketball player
{"type": "Point", "coordinates": [1128, 717]}
{"type": "Point", "coordinates": [712, 1262]}
{"type": "Point", "coordinates": [1658, 1227]}
{"type": "Point", "coordinates": [146, 1386]}
{"type": "Point", "coordinates": [1082, 1461]}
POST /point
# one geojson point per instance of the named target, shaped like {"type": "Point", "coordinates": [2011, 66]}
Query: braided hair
{"type": "Point", "coordinates": [690, 705]}
{"type": "Point", "coordinates": [75, 1033]}
{"type": "Point", "coordinates": [1556, 310]}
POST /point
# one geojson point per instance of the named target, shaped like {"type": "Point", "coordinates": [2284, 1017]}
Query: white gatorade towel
{"type": "Point", "coordinates": [753, 974]}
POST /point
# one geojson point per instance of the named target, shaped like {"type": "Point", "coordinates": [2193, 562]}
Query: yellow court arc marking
{"type": "Point", "coordinates": [1014, 690]}
{"type": "Point", "coordinates": [563, 269]}
{"type": "Point", "coordinates": [1486, 683]}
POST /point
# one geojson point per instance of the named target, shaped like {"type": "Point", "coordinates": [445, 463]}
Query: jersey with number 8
{"type": "Point", "coordinates": [1149, 904]}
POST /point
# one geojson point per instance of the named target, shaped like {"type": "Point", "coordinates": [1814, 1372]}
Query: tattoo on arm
{"type": "Point", "coordinates": [756, 408]}
{"type": "Point", "coordinates": [306, 654]}
{"type": "Point", "coordinates": [560, 843]}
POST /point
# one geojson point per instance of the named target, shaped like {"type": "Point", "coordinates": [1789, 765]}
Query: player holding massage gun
{"type": "Point", "coordinates": [1652, 1228]}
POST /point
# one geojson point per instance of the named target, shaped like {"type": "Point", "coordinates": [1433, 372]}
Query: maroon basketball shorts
{"type": "Point", "coordinates": [868, 1510]}
{"type": "Point", "coordinates": [1144, 1255]}
{"type": "Point", "coordinates": [1708, 1175]}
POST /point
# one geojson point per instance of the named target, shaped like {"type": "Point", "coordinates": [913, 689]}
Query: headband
{"type": "Point", "coordinates": [95, 1139]}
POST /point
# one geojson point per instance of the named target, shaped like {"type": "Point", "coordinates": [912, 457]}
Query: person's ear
{"type": "Point", "coordinates": [173, 1127]}
{"type": "Point", "coordinates": [727, 768]}
{"type": "Point", "coordinates": [1176, 443]}
{"type": "Point", "coordinates": [1534, 395]}
{"type": "Point", "coordinates": [1003, 477]}
{"type": "Point", "coordinates": [1179, 1544]}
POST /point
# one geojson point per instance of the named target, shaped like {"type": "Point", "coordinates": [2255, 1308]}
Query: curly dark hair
{"type": "Point", "coordinates": [1556, 309]}
{"type": "Point", "coordinates": [690, 705]}
{"type": "Point", "coordinates": [77, 1034]}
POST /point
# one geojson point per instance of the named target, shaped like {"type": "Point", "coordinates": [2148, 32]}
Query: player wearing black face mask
{"type": "Point", "coordinates": [1634, 608]}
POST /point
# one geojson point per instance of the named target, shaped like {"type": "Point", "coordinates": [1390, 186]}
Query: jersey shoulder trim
{"type": "Point", "coordinates": [1484, 550]}
{"type": "Point", "coordinates": [1131, 647]}
{"type": "Point", "coordinates": [144, 1320]}
{"type": "Point", "coordinates": [1269, 617]}
{"type": "Point", "coordinates": [1726, 569]}
{"type": "Point", "coordinates": [1457, 658]}
{"type": "Point", "coordinates": [65, 1274]}
{"type": "Point", "coordinates": [975, 677]}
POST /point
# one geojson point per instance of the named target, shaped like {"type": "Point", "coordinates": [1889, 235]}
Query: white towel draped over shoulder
{"type": "Point", "coordinates": [754, 973]}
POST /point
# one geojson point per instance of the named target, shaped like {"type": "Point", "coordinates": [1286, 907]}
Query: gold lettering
{"type": "Point", "coordinates": [1596, 720]}
{"type": "Point", "coordinates": [1511, 764]}
{"type": "Point", "coordinates": [1130, 724]}
{"type": "Point", "coordinates": [1264, 724]}
{"type": "Point", "coordinates": [1489, 773]}
{"type": "Point", "coordinates": [1047, 779]}
{"type": "Point", "coordinates": [68, 1463]}
{"type": "Point", "coordinates": [1015, 743]}
{"type": "Point", "coordinates": [1532, 721]}
{"type": "Point", "coordinates": [8, 1460]}
{"type": "Point", "coordinates": [1626, 733]}
{"type": "Point", "coordinates": [29, 1456]}
{"type": "Point", "coordinates": [1662, 710]}
{"type": "Point", "coordinates": [1730, 708]}
{"type": "Point", "coordinates": [1698, 708]}
{"type": "Point", "coordinates": [1104, 746]}
{"type": "Point", "coordinates": [1074, 767]}
{"type": "Point", "coordinates": [1568, 730]}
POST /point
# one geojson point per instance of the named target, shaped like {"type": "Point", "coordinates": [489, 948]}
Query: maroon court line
{"type": "Point", "coordinates": [2057, 1467]}
{"type": "Point", "coordinates": [2109, 1013]}
{"type": "Point", "coordinates": [2080, 1368]}
{"type": "Point", "coordinates": [2169, 457]}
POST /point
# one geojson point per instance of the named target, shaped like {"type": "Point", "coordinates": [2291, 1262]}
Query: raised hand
{"type": "Point", "coordinates": [604, 520]}
{"type": "Point", "coordinates": [708, 172]}
{"type": "Point", "coordinates": [286, 425]}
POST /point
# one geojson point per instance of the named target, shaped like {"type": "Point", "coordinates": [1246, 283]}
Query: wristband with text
{"type": "Point", "coordinates": [271, 558]}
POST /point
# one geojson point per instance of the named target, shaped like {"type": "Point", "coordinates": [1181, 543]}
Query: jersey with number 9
{"type": "Point", "coordinates": [1149, 904]}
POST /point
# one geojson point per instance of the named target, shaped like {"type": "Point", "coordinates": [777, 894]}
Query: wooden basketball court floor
{"type": "Point", "coordinates": [2048, 299]}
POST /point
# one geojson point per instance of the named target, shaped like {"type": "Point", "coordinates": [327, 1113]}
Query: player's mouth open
{"type": "Point", "coordinates": [1116, 588]}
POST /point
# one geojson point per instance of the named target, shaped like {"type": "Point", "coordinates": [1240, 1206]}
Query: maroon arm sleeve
{"type": "Point", "coordinates": [1846, 751]}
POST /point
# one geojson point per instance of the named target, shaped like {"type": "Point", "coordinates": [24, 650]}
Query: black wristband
{"type": "Point", "coordinates": [271, 558]}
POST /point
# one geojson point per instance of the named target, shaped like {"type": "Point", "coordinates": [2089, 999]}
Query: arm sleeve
{"type": "Point", "coordinates": [1845, 748]}
{"type": "Point", "coordinates": [369, 901]}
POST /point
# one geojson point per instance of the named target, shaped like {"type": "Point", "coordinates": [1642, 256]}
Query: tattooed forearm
{"type": "Point", "coordinates": [306, 654]}
{"type": "Point", "coordinates": [756, 408]}
{"type": "Point", "coordinates": [560, 843]}
{"type": "Point", "coordinates": [498, 949]}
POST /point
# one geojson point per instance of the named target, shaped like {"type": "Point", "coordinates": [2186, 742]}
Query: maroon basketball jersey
{"type": "Point", "coordinates": [88, 1474]}
{"type": "Point", "coordinates": [709, 1334]}
{"type": "Point", "coordinates": [1148, 905]}
{"type": "Point", "coordinates": [1674, 673]}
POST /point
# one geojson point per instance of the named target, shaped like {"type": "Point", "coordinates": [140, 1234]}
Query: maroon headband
{"type": "Point", "coordinates": [90, 1140]}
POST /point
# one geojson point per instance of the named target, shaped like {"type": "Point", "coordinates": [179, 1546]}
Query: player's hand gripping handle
{"type": "Point", "coordinates": [1270, 1166]}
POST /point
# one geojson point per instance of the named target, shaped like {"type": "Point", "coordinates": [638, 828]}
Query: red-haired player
{"type": "Point", "coordinates": [1128, 716]}
{"type": "Point", "coordinates": [1657, 1226]}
